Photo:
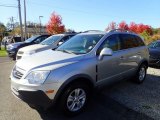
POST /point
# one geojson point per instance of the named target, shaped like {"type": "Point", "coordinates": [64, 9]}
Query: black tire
{"type": "Point", "coordinates": [69, 91]}
{"type": "Point", "coordinates": [141, 74]}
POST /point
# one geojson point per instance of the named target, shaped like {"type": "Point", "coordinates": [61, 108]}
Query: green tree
{"type": "Point", "coordinates": [2, 32]}
{"type": "Point", "coordinates": [146, 36]}
{"type": "Point", "coordinates": [2, 29]}
{"type": "Point", "coordinates": [16, 31]}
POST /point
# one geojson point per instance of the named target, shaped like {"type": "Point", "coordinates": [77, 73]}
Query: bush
{"type": "Point", "coordinates": [148, 38]}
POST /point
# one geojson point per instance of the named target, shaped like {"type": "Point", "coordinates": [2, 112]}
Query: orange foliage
{"type": "Point", "coordinates": [55, 25]}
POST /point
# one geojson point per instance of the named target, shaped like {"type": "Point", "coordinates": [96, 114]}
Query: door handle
{"type": "Point", "coordinates": [138, 53]}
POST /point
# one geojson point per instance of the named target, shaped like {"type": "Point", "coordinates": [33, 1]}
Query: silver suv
{"type": "Point", "coordinates": [68, 75]}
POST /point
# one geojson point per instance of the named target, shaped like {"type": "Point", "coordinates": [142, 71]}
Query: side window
{"type": "Point", "coordinates": [140, 41]}
{"type": "Point", "coordinates": [128, 41]}
{"type": "Point", "coordinates": [112, 42]}
{"type": "Point", "coordinates": [157, 45]}
{"type": "Point", "coordinates": [40, 39]}
{"type": "Point", "coordinates": [65, 39]}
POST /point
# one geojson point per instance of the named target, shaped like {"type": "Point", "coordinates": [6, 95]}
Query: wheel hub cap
{"type": "Point", "coordinates": [76, 99]}
{"type": "Point", "coordinates": [142, 73]}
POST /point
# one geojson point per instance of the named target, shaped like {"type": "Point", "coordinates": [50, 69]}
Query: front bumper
{"type": "Point", "coordinates": [37, 98]}
{"type": "Point", "coordinates": [35, 95]}
{"type": "Point", "coordinates": [11, 53]}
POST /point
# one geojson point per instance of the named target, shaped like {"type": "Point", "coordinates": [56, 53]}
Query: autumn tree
{"type": "Point", "coordinates": [111, 26]}
{"type": "Point", "coordinates": [140, 28]}
{"type": "Point", "coordinates": [16, 31]}
{"type": "Point", "coordinates": [137, 28]}
{"type": "Point", "coordinates": [123, 25]}
{"type": "Point", "coordinates": [55, 25]}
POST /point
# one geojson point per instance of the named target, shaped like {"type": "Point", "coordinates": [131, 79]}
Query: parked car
{"type": "Point", "coordinates": [51, 42]}
{"type": "Point", "coordinates": [154, 51]}
{"type": "Point", "coordinates": [12, 49]}
{"type": "Point", "coordinates": [66, 76]}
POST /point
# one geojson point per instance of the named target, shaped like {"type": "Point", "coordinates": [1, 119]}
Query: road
{"type": "Point", "coordinates": [103, 105]}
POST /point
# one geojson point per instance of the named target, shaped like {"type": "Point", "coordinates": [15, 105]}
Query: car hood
{"type": "Point", "coordinates": [17, 43]}
{"type": "Point", "coordinates": [48, 60]}
{"type": "Point", "coordinates": [36, 48]}
{"type": "Point", "coordinates": [154, 52]}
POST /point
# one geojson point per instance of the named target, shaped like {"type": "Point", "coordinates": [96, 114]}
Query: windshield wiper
{"type": "Point", "coordinates": [67, 51]}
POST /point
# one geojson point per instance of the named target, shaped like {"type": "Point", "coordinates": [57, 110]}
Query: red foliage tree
{"type": "Point", "coordinates": [144, 28]}
{"type": "Point", "coordinates": [133, 27]}
{"type": "Point", "coordinates": [137, 28]}
{"type": "Point", "coordinates": [55, 25]}
{"type": "Point", "coordinates": [140, 28]}
{"type": "Point", "coordinates": [111, 26]}
{"type": "Point", "coordinates": [123, 25]}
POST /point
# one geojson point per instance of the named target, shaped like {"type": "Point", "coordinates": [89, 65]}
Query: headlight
{"type": "Point", "coordinates": [10, 47]}
{"type": "Point", "coordinates": [37, 77]}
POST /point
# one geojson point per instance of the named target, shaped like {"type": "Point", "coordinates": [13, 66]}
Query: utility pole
{"type": "Point", "coordinates": [20, 19]}
{"type": "Point", "coordinates": [40, 24]}
{"type": "Point", "coordinates": [25, 24]}
{"type": "Point", "coordinates": [12, 22]}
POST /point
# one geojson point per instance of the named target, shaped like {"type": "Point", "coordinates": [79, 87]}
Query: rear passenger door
{"type": "Point", "coordinates": [130, 57]}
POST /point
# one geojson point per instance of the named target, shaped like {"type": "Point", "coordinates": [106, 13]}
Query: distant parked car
{"type": "Point", "coordinates": [154, 50]}
{"type": "Point", "coordinates": [12, 49]}
{"type": "Point", "coordinates": [50, 43]}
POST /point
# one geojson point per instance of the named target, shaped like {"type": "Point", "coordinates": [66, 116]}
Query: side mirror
{"type": "Point", "coordinates": [60, 43]}
{"type": "Point", "coordinates": [105, 52]}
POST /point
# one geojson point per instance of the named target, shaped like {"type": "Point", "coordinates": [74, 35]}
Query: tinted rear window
{"type": "Point", "coordinates": [127, 41]}
{"type": "Point", "coordinates": [130, 41]}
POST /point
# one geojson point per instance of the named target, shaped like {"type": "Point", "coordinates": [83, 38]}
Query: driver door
{"type": "Point", "coordinates": [109, 67]}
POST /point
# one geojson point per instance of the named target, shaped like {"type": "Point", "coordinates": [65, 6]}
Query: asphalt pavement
{"type": "Point", "coordinates": [4, 59]}
{"type": "Point", "coordinates": [105, 105]}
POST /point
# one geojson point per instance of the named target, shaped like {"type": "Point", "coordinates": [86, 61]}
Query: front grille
{"type": "Point", "coordinates": [20, 52]}
{"type": "Point", "coordinates": [17, 74]}
{"type": "Point", "coordinates": [19, 57]}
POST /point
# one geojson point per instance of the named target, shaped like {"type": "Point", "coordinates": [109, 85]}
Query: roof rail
{"type": "Point", "coordinates": [69, 32]}
{"type": "Point", "coordinates": [121, 30]}
{"type": "Point", "coordinates": [92, 31]}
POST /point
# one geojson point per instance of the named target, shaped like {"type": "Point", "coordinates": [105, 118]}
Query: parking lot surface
{"type": "Point", "coordinates": [143, 98]}
{"type": "Point", "coordinates": [123, 101]}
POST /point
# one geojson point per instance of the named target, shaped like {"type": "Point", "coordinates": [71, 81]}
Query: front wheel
{"type": "Point", "coordinates": [75, 98]}
{"type": "Point", "coordinates": [141, 73]}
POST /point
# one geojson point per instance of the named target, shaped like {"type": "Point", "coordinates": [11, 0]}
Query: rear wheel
{"type": "Point", "coordinates": [74, 98]}
{"type": "Point", "coordinates": [141, 73]}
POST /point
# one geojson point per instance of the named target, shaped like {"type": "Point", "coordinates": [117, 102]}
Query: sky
{"type": "Point", "coordinates": [82, 15]}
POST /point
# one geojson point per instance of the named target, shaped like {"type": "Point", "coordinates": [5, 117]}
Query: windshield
{"type": "Point", "coordinates": [154, 45]}
{"type": "Point", "coordinates": [51, 40]}
{"type": "Point", "coordinates": [80, 44]}
{"type": "Point", "coordinates": [31, 39]}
